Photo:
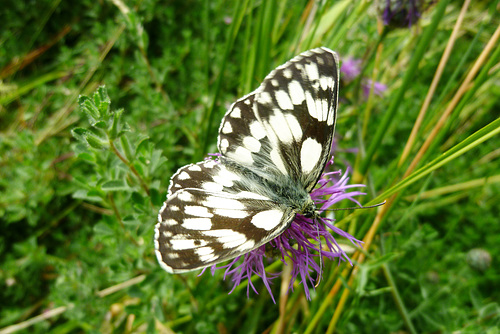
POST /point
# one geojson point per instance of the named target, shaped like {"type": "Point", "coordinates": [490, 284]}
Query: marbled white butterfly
{"type": "Point", "coordinates": [274, 144]}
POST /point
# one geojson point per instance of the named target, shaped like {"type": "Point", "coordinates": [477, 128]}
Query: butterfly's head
{"type": "Point", "coordinates": [308, 209]}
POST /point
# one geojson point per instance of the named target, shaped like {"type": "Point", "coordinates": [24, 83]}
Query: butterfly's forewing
{"type": "Point", "coordinates": [285, 127]}
{"type": "Point", "coordinates": [211, 216]}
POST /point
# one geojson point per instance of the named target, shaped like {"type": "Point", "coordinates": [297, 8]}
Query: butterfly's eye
{"type": "Point", "coordinates": [309, 210]}
{"type": "Point", "coordinates": [309, 214]}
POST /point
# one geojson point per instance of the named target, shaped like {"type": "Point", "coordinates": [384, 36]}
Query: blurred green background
{"type": "Point", "coordinates": [79, 199]}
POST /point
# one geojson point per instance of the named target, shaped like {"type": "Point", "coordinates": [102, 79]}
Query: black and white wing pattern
{"type": "Point", "coordinates": [286, 125]}
{"type": "Point", "coordinates": [274, 145]}
{"type": "Point", "coordinates": [211, 216]}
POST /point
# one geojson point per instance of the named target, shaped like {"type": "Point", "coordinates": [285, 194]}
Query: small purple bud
{"type": "Point", "coordinates": [350, 69]}
{"type": "Point", "coordinates": [378, 88]}
{"type": "Point", "coordinates": [402, 13]}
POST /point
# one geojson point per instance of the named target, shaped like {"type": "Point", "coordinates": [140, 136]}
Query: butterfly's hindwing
{"type": "Point", "coordinates": [203, 225]}
{"type": "Point", "coordinates": [286, 126]}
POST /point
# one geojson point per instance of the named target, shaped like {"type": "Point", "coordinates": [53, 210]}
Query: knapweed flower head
{"type": "Point", "coordinates": [300, 243]}
{"type": "Point", "coordinates": [401, 13]}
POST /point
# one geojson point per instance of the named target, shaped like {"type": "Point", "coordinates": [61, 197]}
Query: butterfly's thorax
{"type": "Point", "coordinates": [283, 190]}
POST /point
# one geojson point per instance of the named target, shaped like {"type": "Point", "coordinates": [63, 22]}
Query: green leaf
{"type": "Point", "coordinates": [142, 208]}
{"type": "Point", "coordinates": [103, 229]}
{"type": "Point", "coordinates": [131, 221]}
{"type": "Point", "coordinates": [487, 132]}
{"type": "Point", "coordinates": [156, 161]}
{"type": "Point", "coordinates": [101, 125]}
{"type": "Point", "coordinates": [115, 185]}
{"type": "Point", "coordinates": [89, 108]}
{"type": "Point", "coordinates": [24, 89]}
{"type": "Point", "coordinates": [96, 192]}
{"type": "Point", "coordinates": [102, 101]}
{"type": "Point", "coordinates": [151, 329]}
{"type": "Point", "coordinates": [79, 134]}
{"type": "Point", "coordinates": [127, 148]}
{"type": "Point", "coordinates": [95, 141]}
{"type": "Point", "coordinates": [116, 126]}
{"type": "Point", "coordinates": [156, 197]}
{"type": "Point", "coordinates": [137, 198]}
{"type": "Point", "coordinates": [86, 156]}
{"type": "Point", "coordinates": [87, 195]}
{"type": "Point", "coordinates": [143, 228]}
{"type": "Point", "coordinates": [96, 109]}
{"type": "Point", "coordinates": [142, 143]}
{"type": "Point", "coordinates": [124, 128]}
{"type": "Point", "coordinates": [139, 168]}
{"type": "Point", "coordinates": [133, 309]}
{"type": "Point", "coordinates": [79, 131]}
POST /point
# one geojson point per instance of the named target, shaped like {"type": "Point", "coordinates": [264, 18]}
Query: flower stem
{"type": "Point", "coordinates": [129, 165]}
{"type": "Point", "coordinates": [435, 81]}
{"type": "Point", "coordinates": [466, 84]}
{"type": "Point", "coordinates": [397, 298]}
{"type": "Point", "coordinates": [409, 76]}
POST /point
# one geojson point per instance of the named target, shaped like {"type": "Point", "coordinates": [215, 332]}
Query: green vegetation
{"type": "Point", "coordinates": [80, 187]}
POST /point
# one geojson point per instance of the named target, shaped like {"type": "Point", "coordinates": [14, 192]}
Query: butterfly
{"type": "Point", "coordinates": [274, 144]}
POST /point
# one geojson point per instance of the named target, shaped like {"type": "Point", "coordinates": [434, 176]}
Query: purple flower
{"type": "Point", "coordinates": [378, 87]}
{"type": "Point", "coordinates": [228, 20]}
{"type": "Point", "coordinates": [300, 242]}
{"type": "Point", "coordinates": [401, 13]}
{"type": "Point", "coordinates": [350, 69]}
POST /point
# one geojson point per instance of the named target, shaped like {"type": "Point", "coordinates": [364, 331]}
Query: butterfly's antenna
{"type": "Point", "coordinates": [320, 256]}
{"type": "Point", "coordinates": [357, 207]}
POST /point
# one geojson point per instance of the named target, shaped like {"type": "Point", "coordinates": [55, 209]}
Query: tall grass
{"type": "Point", "coordinates": [80, 186]}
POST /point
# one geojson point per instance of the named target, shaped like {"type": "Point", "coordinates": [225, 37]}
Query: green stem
{"type": "Point", "coordinates": [115, 210]}
{"type": "Point", "coordinates": [397, 298]}
{"type": "Point", "coordinates": [129, 165]}
{"type": "Point", "coordinates": [239, 12]}
{"type": "Point", "coordinates": [422, 47]}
